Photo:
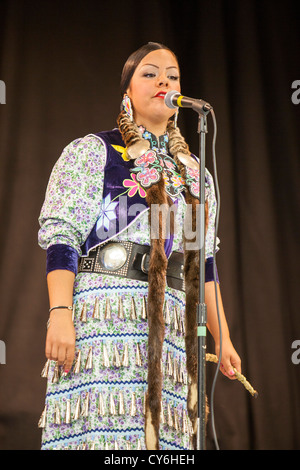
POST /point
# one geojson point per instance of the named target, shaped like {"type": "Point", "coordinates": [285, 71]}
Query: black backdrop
{"type": "Point", "coordinates": [61, 63]}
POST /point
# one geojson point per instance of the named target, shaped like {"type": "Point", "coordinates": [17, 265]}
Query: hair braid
{"type": "Point", "coordinates": [177, 144]}
{"type": "Point", "coordinates": [129, 130]}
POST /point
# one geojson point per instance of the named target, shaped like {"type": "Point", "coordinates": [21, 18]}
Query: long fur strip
{"type": "Point", "coordinates": [156, 294]}
{"type": "Point", "coordinates": [191, 272]}
{"type": "Point", "coordinates": [156, 291]}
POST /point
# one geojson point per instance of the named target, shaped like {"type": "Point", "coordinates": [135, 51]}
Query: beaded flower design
{"type": "Point", "coordinates": [156, 164]}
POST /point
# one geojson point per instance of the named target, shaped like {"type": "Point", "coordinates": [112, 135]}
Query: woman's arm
{"type": "Point", "coordinates": [60, 340]}
{"type": "Point", "coordinates": [230, 357]}
{"type": "Point", "coordinates": [71, 208]}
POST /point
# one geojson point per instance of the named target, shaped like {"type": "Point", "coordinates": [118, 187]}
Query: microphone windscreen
{"type": "Point", "coordinates": [169, 99]}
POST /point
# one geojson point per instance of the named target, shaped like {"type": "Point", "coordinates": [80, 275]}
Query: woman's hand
{"type": "Point", "coordinates": [60, 340]}
{"type": "Point", "coordinates": [229, 358]}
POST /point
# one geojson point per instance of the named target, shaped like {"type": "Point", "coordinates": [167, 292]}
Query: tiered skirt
{"type": "Point", "coordinates": [100, 403]}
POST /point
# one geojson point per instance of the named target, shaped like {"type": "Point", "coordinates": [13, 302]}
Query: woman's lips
{"type": "Point", "coordinates": [160, 94]}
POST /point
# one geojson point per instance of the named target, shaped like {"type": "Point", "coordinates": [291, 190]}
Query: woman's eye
{"type": "Point", "coordinates": [153, 75]}
{"type": "Point", "coordinates": [149, 75]}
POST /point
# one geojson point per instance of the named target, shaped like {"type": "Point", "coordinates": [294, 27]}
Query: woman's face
{"type": "Point", "coordinates": [156, 74]}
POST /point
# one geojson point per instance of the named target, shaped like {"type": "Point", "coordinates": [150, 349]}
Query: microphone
{"type": "Point", "coordinates": [173, 99]}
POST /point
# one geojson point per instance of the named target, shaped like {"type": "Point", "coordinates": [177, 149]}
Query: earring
{"type": "Point", "coordinates": [126, 105]}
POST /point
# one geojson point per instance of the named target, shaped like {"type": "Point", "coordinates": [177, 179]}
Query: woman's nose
{"type": "Point", "coordinates": [163, 81]}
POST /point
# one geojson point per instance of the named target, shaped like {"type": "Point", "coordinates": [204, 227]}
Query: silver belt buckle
{"type": "Point", "coordinates": [113, 256]}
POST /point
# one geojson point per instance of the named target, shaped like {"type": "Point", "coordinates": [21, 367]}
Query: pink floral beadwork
{"type": "Point", "coordinates": [146, 159]}
{"type": "Point", "coordinates": [148, 176]}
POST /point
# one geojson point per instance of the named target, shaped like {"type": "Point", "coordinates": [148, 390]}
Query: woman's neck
{"type": "Point", "coordinates": [155, 129]}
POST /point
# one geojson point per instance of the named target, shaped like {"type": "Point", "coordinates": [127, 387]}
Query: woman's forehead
{"type": "Point", "coordinates": [160, 58]}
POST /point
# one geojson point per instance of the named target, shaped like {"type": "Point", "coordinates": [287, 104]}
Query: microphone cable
{"type": "Point", "coordinates": [218, 200]}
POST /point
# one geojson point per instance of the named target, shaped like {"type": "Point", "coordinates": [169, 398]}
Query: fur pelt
{"type": "Point", "coordinates": [156, 293]}
{"type": "Point", "coordinates": [156, 194]}
{"type": "Point", "coordinates": [192, 278]}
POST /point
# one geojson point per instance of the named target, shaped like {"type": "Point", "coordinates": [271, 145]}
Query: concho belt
{"type": "Point", "coordinates": [131, 260]}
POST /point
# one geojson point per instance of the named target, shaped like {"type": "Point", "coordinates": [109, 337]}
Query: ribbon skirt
{"type": "Point", "coordinates": [100, 404]}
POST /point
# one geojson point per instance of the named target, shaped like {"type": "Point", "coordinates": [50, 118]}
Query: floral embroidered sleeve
{"type": "Point", "coordinates": [72, 203]}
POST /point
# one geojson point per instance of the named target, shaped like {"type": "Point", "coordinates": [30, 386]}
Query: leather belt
{"type": "Point", "coordinates": [130, 260]}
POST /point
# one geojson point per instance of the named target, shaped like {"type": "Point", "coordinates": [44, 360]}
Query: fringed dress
{"type": "Point", "coordinates": [100, 403]}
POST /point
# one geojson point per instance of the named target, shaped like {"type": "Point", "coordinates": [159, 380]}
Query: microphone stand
{"type": "Point", "coordinates": [203, 109]}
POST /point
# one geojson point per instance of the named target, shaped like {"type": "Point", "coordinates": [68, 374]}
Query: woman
{"type": "Point", "coordinates": [121, 340]}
